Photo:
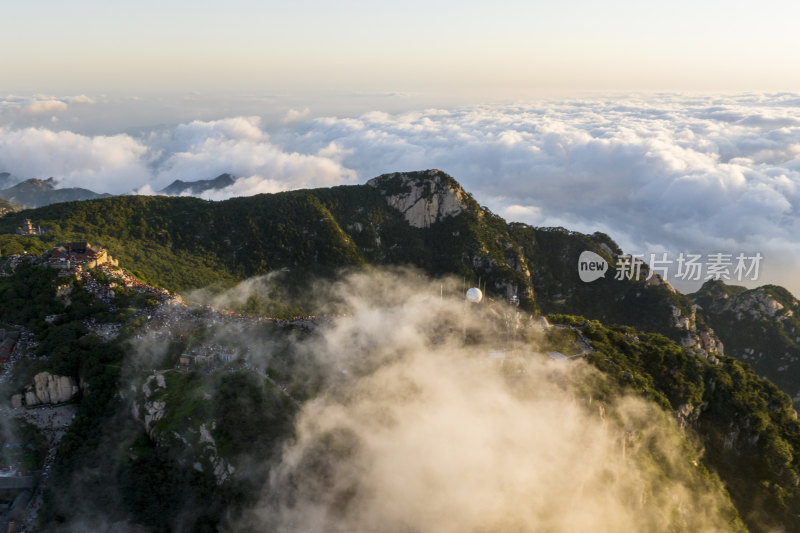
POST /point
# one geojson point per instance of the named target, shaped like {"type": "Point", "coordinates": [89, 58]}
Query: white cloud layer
{"type": "Point", "coordinates": [46, 106]}
{"type": "Point", "coordinates": [658, 173]}
{"type": "Point", "coordinates": [666, 173]}
{"type": "Point", "coordinates": [240, 146]}
{"type": "Point", "coordinates": [103, 163]}
{"type": "Point", "coordinates": [198, 150]}
{"type": "Point", "coordinates": [39, 104]}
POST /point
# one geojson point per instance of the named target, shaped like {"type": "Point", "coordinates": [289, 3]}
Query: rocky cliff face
{"type": "Point", "coordinates": [156, 414]}
{"type": "Point", "coordinates": [47, 388]}
{"type": "Point", "coordinates": [151, 410]}
{"type": "Point", "coordinates": [423, 197]}
{"type": "Point", "coordinates": [763, 303]}
{"type": "Point", "coordinates": [757, 304]}
{"type": "Point", "coordinates": [702, 339]}
{"type": "Point", "coordinates": [760, 326]}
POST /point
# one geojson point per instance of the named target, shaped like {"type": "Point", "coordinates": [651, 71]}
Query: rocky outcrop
{"type": "Point", "coordinates": [656, 280]}
{"type": "Point", "coordinates": [684, 322]}
{"type": "Point", "coordinates": [760, 326]}
{"type": "Point", "coordinates": [754, 304]}
{"type": "Point", "coordinates": [221, 469]}
{"type": "Point", "coordinates": [688, 414]}
{"type": "Point", "coordinates": [757, 304]}
{"type": "Point", "coordinates": [423, 197]}
{"type": "Point", "coordinates": [47, 388]}
{"type": "Point", "coordinates": [151, 410]}
{"type": "Point", "coordinates": [704, 340]}
{"type": "Point", "coordinates": [54, 389]}
{"type": "Point", "coordinates": [710, 342]}
{"type": "Point", "coordinates": [197, 442]}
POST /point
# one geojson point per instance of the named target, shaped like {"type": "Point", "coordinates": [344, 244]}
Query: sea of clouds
{"type": "Point", "coordinates": [659, 173]}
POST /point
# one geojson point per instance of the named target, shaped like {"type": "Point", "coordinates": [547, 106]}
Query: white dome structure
{"type": "Point", "coordinates": [474, 295]}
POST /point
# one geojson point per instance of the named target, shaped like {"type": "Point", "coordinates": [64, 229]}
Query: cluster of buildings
{"type": "Point", "coordinates": [76, 259]}
{"type": "Point", "coordinates": [29, 229]}
{"type": "Point", "coordinates": [208, 354]}
{"type": "Point", "coordinates": [71, 255]}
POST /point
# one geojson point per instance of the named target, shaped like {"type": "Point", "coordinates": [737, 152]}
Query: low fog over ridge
{"type": "Point", "coordinates": [659, 173]}
{"type": "Point", "coordinates": [418, 432]}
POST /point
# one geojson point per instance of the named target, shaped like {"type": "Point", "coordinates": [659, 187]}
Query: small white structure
{"type": "Point", "coordinates": [474, 295]}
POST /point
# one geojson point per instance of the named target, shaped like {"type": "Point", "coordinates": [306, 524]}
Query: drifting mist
{"type": "Point", "coordinates": [418, 432]}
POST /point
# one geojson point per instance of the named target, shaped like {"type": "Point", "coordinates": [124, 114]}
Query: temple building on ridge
{"type": "Point", "coordinates": [81, 253]}
{"type": "Point", "coordinates": [29, 229]}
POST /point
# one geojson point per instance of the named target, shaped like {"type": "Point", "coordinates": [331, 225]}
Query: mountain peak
{"type": "Point", "coordinates": [762, 303]}
{"type": "Point", "coordinates": [424, 197]}
{"type": "Point", "coordinates": [37, 192]}
{"type": "Point", "coordinates": [35, 183]}
{"type": "Point", "coordinates": [180, 187]}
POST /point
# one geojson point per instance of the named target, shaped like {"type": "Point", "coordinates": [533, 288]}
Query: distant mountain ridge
{"type": "Point", "coordinates": [428, 220]}
{"type": "Point", "coordinates": [191, 188]}
{"type": "Point", "coordinates": [38, 193]}
{"type": "Point", "coordinates": [422, 218]}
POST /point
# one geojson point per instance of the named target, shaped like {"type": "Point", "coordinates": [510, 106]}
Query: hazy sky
{"type": "Point", "coordinates": [672, 126]}
{"type": "Point", "coordinates": [489, 50]}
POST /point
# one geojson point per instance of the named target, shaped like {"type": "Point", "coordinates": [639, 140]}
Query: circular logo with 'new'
{"type": "Point", "coordinates": [591, 266]}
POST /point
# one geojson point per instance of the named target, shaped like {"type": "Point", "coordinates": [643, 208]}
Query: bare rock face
{"type": "Point", "coordinates": [197, 441]}
{"type": "Point", "coordinates": [754, 304]}
{"type": "Point", "coordinates": [152, 409]}
{"type": "Point", "coordinates": [705, 340]}
{"type": "Point", "coordinates": [423, 197]}
{"type": "Point", "coordinates": [208, 448]}
{"type": "Point", "coordinates": [710, 342]}
{"type": "Point", "coordinates": [47, 388]}
{"type": "Point", "coordinates": [757, 303]}
{"type": "Point", "coordinates": [688, 414]}
{"type": "Point", "coordinates": [54, 389]}
{"type": "Point", "coordinates": [31, 399]}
